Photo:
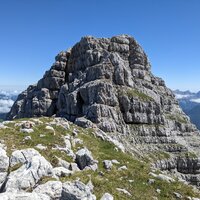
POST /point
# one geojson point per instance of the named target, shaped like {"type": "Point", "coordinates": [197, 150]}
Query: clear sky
{"type": "Point", "coordinates": [32, 32]}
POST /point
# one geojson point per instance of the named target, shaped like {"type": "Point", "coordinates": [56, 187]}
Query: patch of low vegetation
{"type": "Point", "coordinates": [176, 117]}
{"type": "Point", "coordinates": [190, 155]}
{"type": "Point", "coordinates": [46, 179]}
{"type": "Point", "coordinates": [15, 167]}
{"type": "Point", "coordinates": [134, 179]}
{"type": "Point", "coordinates": [159, 155]}
{"type": "Point", "coordinates": [140, 95]}
{"type": "Point", "coordinates": [134, 93]}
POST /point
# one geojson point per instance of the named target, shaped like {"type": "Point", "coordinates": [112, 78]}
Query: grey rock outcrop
{"type": "Point", "coordinates": [32, 168]}
{"type": "Point", "coordinates": [53, 189]}
{"type": "Point", "coordinates": [84, 158]}
{"type": "Point", "coordinates": [23, 196]}
{"type": "Point", "coordinates": [107, 164]}
{"type": "Point", "coordinates": [76, 191]}
{"type": "Point", "coordinates": [107, 83]}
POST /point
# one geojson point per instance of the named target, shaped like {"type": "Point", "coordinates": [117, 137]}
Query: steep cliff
{"type": "Point", "coordinates": [107, 83]}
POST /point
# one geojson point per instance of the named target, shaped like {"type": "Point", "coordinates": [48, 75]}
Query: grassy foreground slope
{"type": "Point", "coordinates": [134, 179]}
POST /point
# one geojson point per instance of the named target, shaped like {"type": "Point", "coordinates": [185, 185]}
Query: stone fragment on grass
{"type": "Point", "coordinates": [124, 191]}
{"type": "Point", "coordinates": [28, 137]}
{"type": "Point", "coordinates": [107, 164]}
{"type": "Point", "coordinates": [50, 128]}
{"type": "Point", "coordinates": [41, 147]}
{"type": "Point", "coordinates": [122, 168]}
{"type": "Point", "coordinates": [84, 158]}
{"type": "Point", "coordinates": [107, 196]}
{"type": "Point", "coordinates": [178, 195]}
{"type": "Point", "coordinates": [115, 162]}
{"type": "Point", "coordinates": [151, 181]}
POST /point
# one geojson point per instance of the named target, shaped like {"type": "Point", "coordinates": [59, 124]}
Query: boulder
{"type": "Point", "coordinates": [84, 158]}
{"type": "Point", "coordinates": [107, 196]}
{"type": "Point", "coordinates": [33, 167]}
{"type": "Point", "coordinates": [107, 164]}
{"type": "Point", "coordinates": [22, 156]}
{"type": "Point", "coordinates": [53, 189]}
{"type": "Point", "coordinates": [76, 191]}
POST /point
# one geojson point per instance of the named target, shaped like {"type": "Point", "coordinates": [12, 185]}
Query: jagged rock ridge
{"type": "Point", "coordinates": [107, 82]}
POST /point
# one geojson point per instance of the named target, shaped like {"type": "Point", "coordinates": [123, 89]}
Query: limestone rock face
{"type": "Point", "coordinates": [40, 99]}
{"type": "Point", "coordinates": [32, 168]}
{"type": "Point", "coordinates": [107, 83]}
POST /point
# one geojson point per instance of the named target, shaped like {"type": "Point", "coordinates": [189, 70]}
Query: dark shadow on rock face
{"type": "Point", "coordinates": [80, 104]}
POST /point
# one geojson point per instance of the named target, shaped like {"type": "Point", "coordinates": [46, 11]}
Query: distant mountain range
{"type": "Point", "coordinates": [190, 103]}
{"type": "Point", "coordinates": [7, 99]}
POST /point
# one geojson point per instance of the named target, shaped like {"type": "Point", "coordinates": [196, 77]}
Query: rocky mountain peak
{"type": "Point", "coordinates": [104, 80]}
{"type": "Point", "coordinates": [107, 83]}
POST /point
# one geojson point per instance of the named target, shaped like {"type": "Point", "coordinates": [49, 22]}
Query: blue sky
{"type": "Point", "coordinates": [33, 32]}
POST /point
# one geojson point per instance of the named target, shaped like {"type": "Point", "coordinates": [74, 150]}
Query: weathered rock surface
{"type": "Point", "coordinates": [61, 171]}
{"type": "Point", "coordinates": [23, 196]}
{"type": "Point", "coordinates": [76, 191]}
{"type": "Point", "coordinates": [32, 168]}
{"type": "Point", "coordinates": [84, 158]}
{"type": "Point", "coordinates": [107, 83]}
{"type": "Point", "coordinates": [107, 164]}
{"type": "Point", "coordinates": [53, 189]}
